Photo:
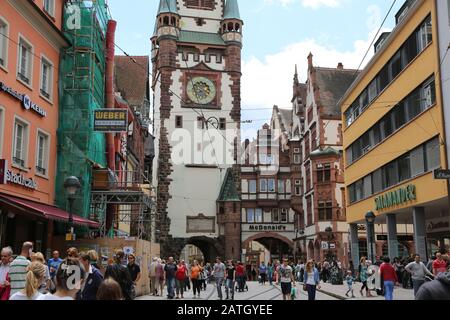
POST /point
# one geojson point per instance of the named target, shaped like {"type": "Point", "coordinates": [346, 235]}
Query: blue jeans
{"type": "Point", "coordinates": [311, 292]}
{"type": "Point", "coordinates": [229, 288]}
{"type": "Point", "coordinates": [389, 290]}
{"type": "Point", "coordinates": [170, 287]}
{"type": "Point", "coordinates": [219, 283]}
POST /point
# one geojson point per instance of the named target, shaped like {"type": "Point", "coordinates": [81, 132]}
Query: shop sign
{"type": "Point", "coordinates": [396, 197]}
{"type": "Point", "coordinates": [15, 178]}
{"type": "Point", "coordinates": [111, 120]}
{"type": "Point", "coordinates": [267, 228]}
{"type": "Point", "coordinates": [24, 99]}
{"type": "Point", "coordinates": [438, 225]}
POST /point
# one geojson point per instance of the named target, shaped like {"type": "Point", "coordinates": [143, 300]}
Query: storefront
{"type": "Point", "coordinates": [438, 235]}
{"type": "Point", "coordinates": [24, 220]}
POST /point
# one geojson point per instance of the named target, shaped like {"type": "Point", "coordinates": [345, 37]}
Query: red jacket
{"type": "Point", "coordinates": [240, 271]}
{"type": "Point", "coordinates": [388, 273]}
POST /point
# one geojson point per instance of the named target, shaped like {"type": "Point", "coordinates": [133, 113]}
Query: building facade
{"type": "Point", "coordinates": [316, 162]}
{"type": "Point", "coordinates": [31, 42]}
{"type": "Point", "coordinates": [394, 138]}
{"type": "Point", "coordinates": [267, 217]}
{"type": "Point", "coordinates": [196, 55]}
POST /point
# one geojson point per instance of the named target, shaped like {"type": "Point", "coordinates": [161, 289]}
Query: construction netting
{"type": "Point", "coordinates": [82, 91]}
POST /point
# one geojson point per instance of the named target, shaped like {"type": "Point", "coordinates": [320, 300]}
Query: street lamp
{"type": "Point", "coordinates": [370, 220]}
{"type": "Point", "coordinates": [329, 232]}
{"type": "Point", "coordinates": [72, 185]}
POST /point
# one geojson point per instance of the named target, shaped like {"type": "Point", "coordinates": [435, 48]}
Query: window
{"type": "Point", "coordinates": [417, 159]}
{"type": "Point", "coordinates": [263, 185]}
{"type": "Point", "coordinates": [275, 216]}
{"type": "Point", "coordinates": [325, 211]}
{"type": "Point", "coordinates": [49, 7]}
{"type": "Point", "coordinates": [307, 145]}
{"type": "Point", "coordinates": [297, 159]}
{"type": "Point", "coordinates": [244, 186]}
{"type": "Point", "coordinates": [258, 215]}
{"type": "Point", "coordinates": [20, 143]}
{"type": "Point", "coordinates": [425, 34]}
{"type": "Point", "coordinates": [377, 181]}
{"type": "Point", "coordinates": [390, 177]}
{"type": "Point", "coordinates": [363, 100]}
{"type": "Point", "coordinates": [200, 4]}
{"type": "Point", "coordinates": [271, 185]}
{"type": "Point", "coordinates": [359, 190]}
{"type": "Point", "coordinates": [284, 215]}
{"type": "Point", "coordinates": [414, 105]}
{"type": "Point", "coordinates": [46, 78]}
{"type": "Point", "coordinates": [433, 154]}
{"type": "Point", "coordinates": [42, 153]}
{"type": "Point", "coordinates": [309, 211]}
{"type": "Point", "coordinates": [323, 173]}
{"type": "Point", "coordinates": [428, 94]}
{"type": "Point", "coordinates": [252, 186]}
{"type": "Point", "coordinates": [308, 176]}
{"type": "Point", "coordinates": [281, 188]}
{"type": "Point", "coordinates": [298, 187]}
{"type": "Point", "coordinates": [404, 169]}
{"type": "Point", "coordinates": [25, 63]}
{"type": "Point", "coordinates": [386, 126]}
{"type": "Point", "coordinates": [250, 215]}
{"type": "Point", "coordinates": [223, 124]}
{"type": "Point", "coordinates": [395, 66]}
{"type": "Point", "coordinates": [314, 138]}
{"type": "Point", "coordinates": [373, 90]}
{"type": "Point", "coordinates": [179, 122]}
{"type": "Point", "coordinates": [3, 43]}
{"type": "Point", "coordinates": [367, 185]}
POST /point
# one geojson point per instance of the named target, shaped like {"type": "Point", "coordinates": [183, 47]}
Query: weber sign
{"type": "Point", "coordinates": [111, 120]}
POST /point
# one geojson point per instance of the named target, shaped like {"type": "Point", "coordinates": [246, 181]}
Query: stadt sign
{"type": "Point", "coordinates": [396, 197]}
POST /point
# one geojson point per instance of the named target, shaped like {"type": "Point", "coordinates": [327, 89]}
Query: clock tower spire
{"type": "Point", "coordinates": [196, 54]}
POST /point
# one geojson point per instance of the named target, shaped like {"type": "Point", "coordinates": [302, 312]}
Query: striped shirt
{"type": "Point", "coordinates": [18, 273]}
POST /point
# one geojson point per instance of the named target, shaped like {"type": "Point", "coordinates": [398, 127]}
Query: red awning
{"type": "Point", "coordinates": [46, 211]}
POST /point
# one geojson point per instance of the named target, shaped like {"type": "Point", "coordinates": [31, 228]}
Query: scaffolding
{"type": "Point", "coordinates": [133, 197]}
{"type": "Point", "coordinates": [82, 88]}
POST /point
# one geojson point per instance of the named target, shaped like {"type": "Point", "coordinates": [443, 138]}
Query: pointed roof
{"type": "Point", "coordinates": [228, 191]}
{"type": "Point", "coordinates": [232, 10]}
{"type": "Point", "coordinates": [167, 6]}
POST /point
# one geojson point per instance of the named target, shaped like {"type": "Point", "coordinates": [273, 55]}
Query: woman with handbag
{"type": "Point", "coordinates": [312, 280]}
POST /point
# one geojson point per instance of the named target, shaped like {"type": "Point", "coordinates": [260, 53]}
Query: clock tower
{"type": "Point", "coordinates": [196, 55]}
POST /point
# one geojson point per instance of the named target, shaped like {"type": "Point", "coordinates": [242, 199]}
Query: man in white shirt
{"type": "Point", "coordinates": [418, 272]}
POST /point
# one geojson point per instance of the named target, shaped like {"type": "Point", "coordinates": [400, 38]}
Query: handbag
{"type": "Point", "coordinates": [305, 288]}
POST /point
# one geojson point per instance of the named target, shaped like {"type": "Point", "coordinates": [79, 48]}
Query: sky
{"type": "Point", "coordinates": [278, 34]}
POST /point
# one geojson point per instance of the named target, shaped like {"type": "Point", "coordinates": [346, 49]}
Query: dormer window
{"type": "Point", "coordinates": [200, 4]}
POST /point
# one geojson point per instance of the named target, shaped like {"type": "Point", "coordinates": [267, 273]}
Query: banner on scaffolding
{"type": "Point", "coordinates": [111, 120]}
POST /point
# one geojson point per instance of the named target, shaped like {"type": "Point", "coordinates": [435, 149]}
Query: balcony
{"type": "Point", "coordinates": [105, 179]}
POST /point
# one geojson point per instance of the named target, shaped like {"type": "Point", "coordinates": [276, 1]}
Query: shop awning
{"type": "Point", "coordinates": [45, 211]}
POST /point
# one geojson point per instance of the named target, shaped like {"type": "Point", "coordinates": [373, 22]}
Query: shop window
{"type": "Point", "coordinates": [42, 153]}
{"type": "Point", "coordinates": [4, 33]}
{"type": "Point", "coordinates": [25, 63]}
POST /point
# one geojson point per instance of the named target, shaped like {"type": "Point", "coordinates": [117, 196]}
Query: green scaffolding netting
{"type": "Point", "coordinates": [82, 88]}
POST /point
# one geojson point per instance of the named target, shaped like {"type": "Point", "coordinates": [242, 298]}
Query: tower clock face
{"type": "Point", "coordinates": [201, 90]}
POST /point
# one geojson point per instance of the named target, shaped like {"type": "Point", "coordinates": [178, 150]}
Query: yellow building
{"type": "Point", "coordinates": [394, 139]}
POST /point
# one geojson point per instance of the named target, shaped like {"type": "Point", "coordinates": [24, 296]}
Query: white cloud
{"type": "Point", "coordinates": [269, 81]}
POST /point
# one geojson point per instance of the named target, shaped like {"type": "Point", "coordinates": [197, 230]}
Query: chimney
{"type": "Point", "coordinates": [340, 66]}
